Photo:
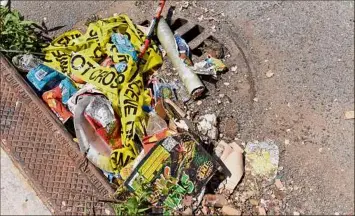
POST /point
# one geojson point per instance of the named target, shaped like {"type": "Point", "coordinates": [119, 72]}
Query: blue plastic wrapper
{"type": "Point", "coordinates": [182, 46]}
{"type": "Point", "coordinates": [184, 50]}
{"type": "Point", "coordinates": [124, 45]}
{"type": "Point", "coordinates": [111, 176]}
{"type": "Point", "coordinates": [68, 89]}
{"type": "Point", "coordinates": [44, 78]}
{"type": "Point", "coordinates": [164, 90]}
{"type": "Point", "coordinates": [121, 66]}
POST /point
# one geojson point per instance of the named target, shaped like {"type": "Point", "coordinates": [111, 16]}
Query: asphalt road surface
{"type": "Point", "coordinates": [309, 46]}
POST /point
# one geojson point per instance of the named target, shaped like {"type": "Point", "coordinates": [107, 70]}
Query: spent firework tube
{"type": "Point", "coordinates": [191, 81]}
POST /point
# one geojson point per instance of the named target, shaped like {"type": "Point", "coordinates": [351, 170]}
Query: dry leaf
{"type": "Point", "coordinates": [279, 184]}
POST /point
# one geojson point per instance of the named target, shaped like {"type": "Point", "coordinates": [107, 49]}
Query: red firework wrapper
{"type": "Point", "coordinates": [150, 141]}
{"type": "Point", "coordinates": [53, 98]}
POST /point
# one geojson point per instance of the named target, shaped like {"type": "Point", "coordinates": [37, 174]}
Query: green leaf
{"type": "Point", "coordinates": [27, 22]}
{"type": "Point", "coordinates": [8, 17]}
{"type": "Point", "coordinates": [143, 210]}
{"type": "Point", "coordinates": [132, 203]}
{"type": "Point", "coordinates": [17, 14]}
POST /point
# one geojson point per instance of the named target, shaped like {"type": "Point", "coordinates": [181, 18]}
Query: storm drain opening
{"type": "Point", "coordinates": [192, 33]}
{"type": "Point", "coordinates": [145, 23]}
{"type": "Point", "coordinates": [195, 32]}
{"type": "Point", "coordinates": [209, 42]}
{"type": "Point", "coordinates": [178, 23]}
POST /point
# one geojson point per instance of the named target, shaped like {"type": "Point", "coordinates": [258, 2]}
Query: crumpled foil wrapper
{"type": "Point", "coordinates": [100, 109]}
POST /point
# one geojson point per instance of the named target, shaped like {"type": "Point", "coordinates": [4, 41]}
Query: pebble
{"type": "Point", "coordinates": [185, 5]}
{"type": "Point", "coordinates": [296, 213]}
{"type": "Point", "coordinates": [213, 28]}
{"type": "Point", "coordinates": [349, 115]}
{"type": "Point", "coordinates": [187, 201]}
{"type": "Point", "coordinates": [261, 210]}
{"type": "Point", "coordinates": [108, 212]}
{"type": "Point", "coordinates": [269, 74]}
{"type": "Point", "coordinates": [226, 84]}
{"type": "Point", "coordinates": [214, 200]}
{"type": "Point", "coordinates": [199, 103]}
{"type": "Point", "coordinates": [221, 95]}
{"type": "Point", "coordinates": [287, 142]}
{"type": "Point", "coordinates": [279, 184]}
{"type": "Point", "coordinates": [254, 202]}
{"type": "Point", "coordinates": [320, 150]}
{"type": "Point", "coordinates": [187, 211]}
{"type": "Point", "coordinates": [234, 68]}
{"type": "Point", "coordinates": [204, 210]}
{"type": "Point", "coordinates": [255, 99]}
{"type": "Point", "coordinates": [227, 210]}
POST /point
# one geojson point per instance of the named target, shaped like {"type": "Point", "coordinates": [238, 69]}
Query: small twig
{"type": "Point", "coordinates": [19, 51]}
{"type": "Point", "coordinates": [111, 201]}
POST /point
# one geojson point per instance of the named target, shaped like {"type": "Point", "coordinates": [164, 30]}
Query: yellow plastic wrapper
{"type": "Point", "coordinates": [74, 53]}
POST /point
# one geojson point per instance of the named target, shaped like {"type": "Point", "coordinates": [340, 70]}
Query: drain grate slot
{"type": "Point", "coordinates": [192, 33]}
{"type": "Point", "coordinates": [145, 23]}
{"type": "Point", "coordinates": [197, 51]}
{"type": "Point", "coordinates": [178, 23]}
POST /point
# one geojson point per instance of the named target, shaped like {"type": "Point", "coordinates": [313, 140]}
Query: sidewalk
{"type": "Point", "coordinates": [17, 196]}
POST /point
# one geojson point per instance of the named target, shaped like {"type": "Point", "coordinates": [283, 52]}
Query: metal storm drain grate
{"type": "Point", "coordinates": [194, 34]}
{"type": "Point", "coordinates": [45, 152]}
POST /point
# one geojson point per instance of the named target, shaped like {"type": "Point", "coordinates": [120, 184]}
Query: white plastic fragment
{"type": "Point", "coordinates": [208, 125]}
